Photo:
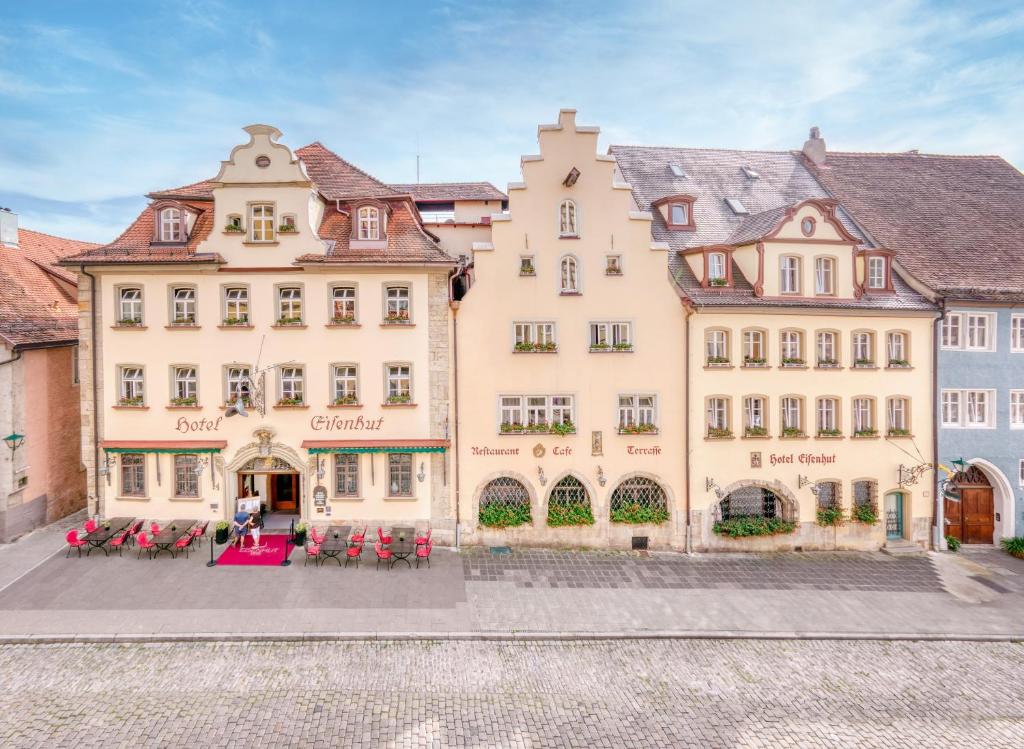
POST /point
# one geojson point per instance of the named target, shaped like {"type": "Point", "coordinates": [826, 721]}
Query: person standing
{"type": "Point", "coordinates": [241, 526]}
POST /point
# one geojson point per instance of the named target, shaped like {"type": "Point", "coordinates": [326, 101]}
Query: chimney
{"type": "Point", "coordinates": [814, 147]}
{"type": "Point", "coordinates": [8, 228]}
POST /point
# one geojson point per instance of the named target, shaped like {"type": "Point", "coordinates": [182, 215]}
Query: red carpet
{"type": "Point", "coordinates": [271, 551]}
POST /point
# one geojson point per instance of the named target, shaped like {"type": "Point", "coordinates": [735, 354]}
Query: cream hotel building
{"type": "Point", "coordinates": [648, 347]}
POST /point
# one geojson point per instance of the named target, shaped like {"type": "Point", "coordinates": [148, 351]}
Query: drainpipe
{"type": "Point", "coordinates": [95, 388]}
{"type": "Point", "coordinates": [17, 355]}
{"type": "Point", "coordinates": [939, 513]}
{"type": "Point", "coordinates": [454, 306]}
{"type": "Point", "coordinates": [686, 427]}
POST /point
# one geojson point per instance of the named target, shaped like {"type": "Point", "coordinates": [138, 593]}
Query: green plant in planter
{"type": "Point", "coordinates": [719, 282]}
{"type": "Point", "coordinates": [541, 427]}
{"type": "Point", "coordinates": [599, 347]}
{"type": "Point", "coordinates": [743, 527]}
{"type": "Point", "coordinates": [866, 433]}
{"type": "Point", "coordinates": [396, 318]}
{"type": "Point", "coordinates": [1013, 546]}
{"type": "Point", "coordinates": [220, 532]}
{"type": "Point", "coordinates": [189, 401]}
{"type": "Point", "coordinates": [754, 361]}
{"type": "Point", "coordinates": [130, 322]}
{"type": "Point", "coordinates": [623, 347]}
{"type": "Point", "coordinates": [637, 514]}
{"type": "Point", "coordinates": [404, 398]}
{"type": "Point", "coordinates": [563, 428]}
{"type": "Point", "coordinates": [863, 363]}
{"type": "Point", "coordinates": [236, 321]}
{"type": "Point", "coordinates": [829, 433]}
{"type": "Point", "coordinates": [719, 432]}
{"type": "Point", "coordinates": [755, 432]}
{"type": "Point", "coordinates": [829, 516]}
{"type": "Point", "coordinates": [638, 429]}
{"type": "Point", "coordinates": [288, 320]}
{"type": "Point", "coordinates": [526, 270]}
{"type": "Point", "coordinates": [828, 363]}
{"type": "Point", "coordinates": [718, 360]}
{"type": "Point", "coordinates": [133, 401]}
{"type": "Point", "coordinates": [549, 346]}
{"type": "Point", "coordinates": [953, 543]}
{"type": "Point", "coordinates": [899, 363]}
{"type": "Point", "coordinates": [289, 402]}
{"type": "Point", "coordinates": [300, 534]}
{"type": "Point", "coordinates": [346, 400]}
{"type": "Point", "coordinates": [287, 229]}
{"type": "Point", "coordinates": [899, 433]}
{"type": "Point", "coordinates": [792, 362]}
{"type": "Point", "coordinates": [524, 346]}
{"type": "Point", "coordinates": [343, 320]}
{"type": "Point", "coordinates": [573, 513]}
{"type": "Point", "coordinates": [792, 432]}
{"type": "Point", "coordinates": [234, 229]}
{"type": "Point", "coordinates": [864, 513]}
{"type": "Point", "coordinates": [497, 515]}
{"type": "Point", "coordinates": [508, 427]}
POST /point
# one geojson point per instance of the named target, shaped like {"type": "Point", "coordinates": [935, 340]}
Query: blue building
{"type": "Point", "coordinates": [956, 224]}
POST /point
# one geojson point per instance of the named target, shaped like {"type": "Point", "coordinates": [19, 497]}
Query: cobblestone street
{"type": "Point", "coordinates": [699, 693]}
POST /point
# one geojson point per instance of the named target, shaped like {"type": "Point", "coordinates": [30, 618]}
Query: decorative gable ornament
{"type": "Point", "coordinates": [571, 177]}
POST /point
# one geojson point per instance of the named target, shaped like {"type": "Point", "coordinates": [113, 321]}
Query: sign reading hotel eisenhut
{"type": "Point", "coordinates": [331, 423]}
{"type": "Point", "coordinates": [802, 458]}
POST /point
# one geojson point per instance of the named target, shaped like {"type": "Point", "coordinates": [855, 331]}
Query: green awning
{"type": "Point", "coordinates": [379, 449]}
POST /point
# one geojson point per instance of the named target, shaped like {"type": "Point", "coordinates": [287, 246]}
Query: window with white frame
{"type": "Point", "coordinates": [343, 304]}
{"type": "Point", "coordinates": [183, 306]}
{"type": "Point", "coordinates": [287, 224]}
{"type": "Point", "coordinates": [396, 304]}
{"type": "Point", "coordinates": [537, 413]}
{"type": "Point", "coordinates": [170, 225]}
{"type": "Point", "coordinates": [980, 410]}
{"type": "Point", "coordinates": [1017, 333]}
{"type": "Point", "coordinates": [570, 283]}
{"type": "Point", "coordinates": [951, 408]}
{"type": "Point", "coordinates": [1017, 409]}
{"type": "Point", "coordinates": [789, 274]}
{"type": "Point", "coordinates": [897, 411]}
{"type": "Point", "coordinates": [399, 474]}
{"type": "Point", "coordinates": [716, 347]}
{"type": "Point", "coordinates": [826, 348]}
{"type": "Point", "coordinates": [876, 272]}
{"type": "Point", "coordinates": [133, 474]}
{"type": "Point", "coordinates": [863, 349]}
{"type": "Point", "coordinates": [613, 265]}
{"type": "Point", "coordinates": [526, 267]}
{"type": "Point", "coordinates": [186, 387]}
{"type": "Point", "coordinates": [863, 417]}
{"type": "Point", "coordinates": [718, 417]}
{"type": "Point", "coordinates": [237, 385]}
{"type": "Point", "coordinates": [292, 386]}
{"type": "Point", "coordinates": [792, 347]}
{"type": "Point", "coordinates": [951, 327]}
{"type": "Point", "coordinates": [824, 275]}
{"type": "Point", "coordinates": [261, 222]}
{"type": "Point", "coordinates": [828, 417]}
{"type": "Point", "coordinates": [568, 225]}
{"type": "Point", "coordinates": [534, 336]}
{"type": "Point", "coordinates": [679, 214]}
{"type": "Point", "coordinates": [979, 335]}
{"type": "Point", "coordinates": [792, 416]}
{"type": "Point", "coordinates": [346, 475]}
{"type": "Point", "coordinates": [369, 223]}
{"type": "Point", "coordinates": [186, 476]}
{"type": "Point", "coordinates": [716, 268]}
{"type": "Point", "coordinates": [754, 416]}
{"type": "Point", "coordinates": [132, 386]}
{"type": "Point", "coordinates": [398, 383]}
{"type": "Point", "coordinates": [236, 305]}
{"type": "Point", "coordinates": [344, 384]}
{"type": "Point", "coordinates": [289, 305]}
{"type": "Point", "coordinates": [130, 306]}
{"type": "Point", "coordinates": [896, 349]}
{"type": "Point", "coordinates": [754, 352]}
{"type": "Point", "coordinates": [637, 413]}
{"type": "Point", "coordinates": [614, 336]}
{"type": "Point", "coordinates": [511, 408]}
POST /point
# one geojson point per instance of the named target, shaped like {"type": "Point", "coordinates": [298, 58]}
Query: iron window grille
{"type": "Point", "coordinates": [639, 494]}
{"type": "Point", "coordinates": [506, 492]}
{"type": "Point", "coordinates": [186, 478]}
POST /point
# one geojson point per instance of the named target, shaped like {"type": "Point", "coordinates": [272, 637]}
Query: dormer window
{"type": "Point", "coordinates": [876, 272]}
{"type": "Point", "coordinates": [261, 221]}
{"type": "Point", "coordinates": [716, 269]}
{"type": "Point", "coordinates": [170, 225]}
{"type": "Point", "coordinates": [679, 214]}
{"type": "Point", "coordinates": [369, 223]}
{"type": "Point", "coordinates": [568, 225]}
{"type": "Point", "coordinates": [678, 211]}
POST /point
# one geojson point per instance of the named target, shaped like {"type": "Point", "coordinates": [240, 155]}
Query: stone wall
{"type": "Point", "coordinates": [89, 410]}
{"type": "Point", "coordinates": [442, 511]}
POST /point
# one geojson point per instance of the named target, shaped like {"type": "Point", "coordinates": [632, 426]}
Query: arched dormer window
{"type": "Point", "coordinates": [170, 225]}
{"type": "Point", "coordinates": [368, 223]}
{"type": "Point", "coordinates": [568, 219]}
{"type": "Point", "coordinates": [570, 281]}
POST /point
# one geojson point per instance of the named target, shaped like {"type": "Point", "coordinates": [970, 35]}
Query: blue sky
{"type": "Point", "coordinates": [100, 104]}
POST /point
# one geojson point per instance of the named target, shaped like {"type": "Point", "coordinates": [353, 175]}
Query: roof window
{"type": "Point", "coordinates": [751, 173]}
{"type": "Point", "coordinates": [677, 171]}
{"type": "Point", "coordinates": [737, 207]}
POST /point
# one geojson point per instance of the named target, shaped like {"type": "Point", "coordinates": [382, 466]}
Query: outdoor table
{"type": "Point", "coordinates": [403, 543]}
{"type": "Point", "coordinates": [166, 538]}
{"type": "Point", "coordinates": [334, 547]}
{"type": "Point", "coordinates": [101, 535]}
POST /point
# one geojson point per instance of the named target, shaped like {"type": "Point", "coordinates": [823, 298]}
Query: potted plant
{"type": "Point", "coordinates": [792, 362]}
{"type": "Point", "coordinates": [346, 400]}
{"type": "Point", "coordinates": [289, 402]}
{"type": "Point", "coordinates": [829, 433]}
{"type": "Point", "coordinates": [863, 363]}
{"type": "Point", "coordinates": [236, 321]}
{"type": "Point", "coordinates": [527, 270]}
{"type": "Point", "coordinates": [130, 322]}
{"type": "Point", "coordinates": [898, 363]}
{"type": "Point", "coordinates": [717, 361]}
{"type": "Point", "coordinates": [300, 534]}
{"type": "Point", "coordinates": [718, 433]}
{"type": "Point", "coordinates": [623, 347]}
{"type": "Point", "coordinates": [184, 401]}
{"type": "Point", "coordinates": [755, 432]}
{"type": "Point", "coordinates": [866, 433]}
{"type": "Point", "coordinates": [744, 526]}
{"type": "Point", "coordinates": [898, 432]}
{"type": "Point", "coordinates": [399, 399]}
{"type": "Point", "coordinates": [232, 228]}
{"type": "Point", "coordinates": [541, 427]}
{"type": "Point", "coordinates": [289, 320]}
{"type": "Point", "coordinates": [754, 361]}
{"type": "Point", "coordinates": [220, 532]}
{"type": "Point", "coordinates": [829, 516]}
{"type": "Point", "coordinates": [599, 347]}
{"type": "Point", "coordinates": [1013, 546]}
{"type": "Point", "coordinates": [106, 525]}
{"type": "Point", "coordinates": [343, 320]}
{"type": "Point", "coordinates": [397, 318]}
{"type": "Point", "coordinates": [953, 543]}
{"type": "Point", "coordinates": [865, 513]}
{"type": "Point", "coordinates": [792, 432]}
{"type": "Point", "coordinates": [563, 428]}
{"type": "Point", "coordinates": [508, 427]}
{"type": "Point", "coordinates": [135, 400]}
{"type": "Point", "coordinates": [827, 363]}
{"type": "Point", "coordinates": [287, 229]}
{"type": "Point", "coordinates": [719, 282]}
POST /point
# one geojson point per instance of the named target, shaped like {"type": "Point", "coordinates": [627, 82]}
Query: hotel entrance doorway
{"type": "Point", "coordinates": [276, 483]}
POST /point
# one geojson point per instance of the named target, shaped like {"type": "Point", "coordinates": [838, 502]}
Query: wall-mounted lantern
{"type": "Point", "coordinates": [14, 441]}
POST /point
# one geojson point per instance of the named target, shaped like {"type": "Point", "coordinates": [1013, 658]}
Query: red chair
{"type": "Point", "coordinates": [383, 555]}
{"type": "Point", "coordinates": [198, 532]}
{"type": "Point", "coordinates": [144, 544]}
{"type": "Point", "coordinates": [91, 525]}
{"type": "Point", "coordinates": [154, 528]}
{"type": "Point", "coordinates": [183, 544]}
{"type": "Point", "coordinates": [118, 541]}
{"type": "Point", "coordinates": [354, 552]}
{"type": "Point", "coordinates": [423, 552]}
{"type": "Point", "coordinates": [312, 552]}
{"type": "Point", "coordinates": [381, 538]}
{"type": "Point", "coordinates": [421, 540]}
{"type": "Point", "coordinates": [317, 535]}
{"type": "Point", "coordinates": [359, 536]}
{"type": "Point", "coordinates": [74, 542]}
{"type": "Point", "coordinates": [134, 529]}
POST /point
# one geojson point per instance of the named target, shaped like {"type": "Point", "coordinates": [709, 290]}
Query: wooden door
{"type": "Point", "coordinates": [979, 520]}
{"type": "Point", "coordinates": [285, 492]}
{"type": "Point", "coordinates": [954, 519]}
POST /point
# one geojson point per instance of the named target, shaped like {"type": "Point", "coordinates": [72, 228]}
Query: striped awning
{"type": "Point", "coordinates": [164, 446]}
{"type": "Point", "coordinates": [375, 446]}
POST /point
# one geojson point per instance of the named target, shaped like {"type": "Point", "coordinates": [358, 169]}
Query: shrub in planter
{"type": "Point", "coordinates": [755, 432]}
{"type": "Point", "coordinates": [1014, 546]}
{"type": "Point", "coordinates": [829, 516]}
{"type": "Point", "coordinates": [300, 534]}
{"type": "Point", "coordinates": [719, 282]}
{"type": "Point", "coordinates": [743, 527]}
{"type": "Point", "coordinates": [508, 427]}
{"type": "Point", "coordinates": [866, 433]}
{"type": "Point", "coordinates": [573, 513]}
{"type": "Point", "coordinates": [754, 361]}
{"type": "Point", "coordinates": [829, 433]}
{"type": "Point", "coordinates": [792, 362]}
{"type": "Point", "coordinates": [220, 534]}
{"type": "Point", "coordinates": [498, 515]}
{"type": "Point", "coordinates": [899, 433]}
{"type": "Point", "coordinates": [953, 543]}
{"type": "Point", "coordinates": [712, 360]}
{"type": "Point", "coordinates": [563, 428]}
{"type": "Point", "coordinates": [637, 513]}
{"type": "Point", "coordinates": [864, 513]}
{"type": "Point", "coordinates": [792, 432]}
{"type": "Point", "coordinates": [719, 433]}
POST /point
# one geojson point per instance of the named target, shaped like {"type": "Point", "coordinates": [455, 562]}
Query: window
{"type": "Point", "coordinates": [792, 418]}
{"type": "Point", "coordinates": [951, 324]}
{"type": "Point", "coordinates": [865, 493]}
{"type": "Point", "coordinates": [186, 387]}
{"type": "Point", "coordinates": [186, 476]}
{"type": "Point", "coordinates": [396, 304]}
{"type": "Point", "coordinates": [753, 348]}
{"type": "Point", "coordinates": [636, 414]}
{"type": "Point", "coordinates": [753, 416]}
{"type": "Point", "coordinates": [536, 413]}
{"type": "Point", "coordinates": [898, 417]}
{"type": "Point", "coordinates": [1017, 409]}
{"type": "Point", "coordinates": [876, 273]}
{"type": "Point", "coordinates": [343, 305]}
{"type": "Point", "coordinates": [569, 278]}
{"type": "Point", "coordinates": [345, 385]}
{"type": "Point", "coordinates": [978, 336]}
{"type": "Point", "coordinates": [236, 305]}
{"type": "Point", "coordinates": [369, 223]}
{"type": "Point", "coordinates": [511, 413]}
{"type": "Point", "coordinates": [716, 269]}
{"type": "Point", "coordinates": [610, 336]}
{"type": "Point", "coordinates": [718, 417]}
{"type": "Point", "coordinates": [716, 347]}
{"type": "Point", "coordinates": [679, 214]}
{"type": "Point", "coordinates": [863, 349]}
{"type": "Point", "coordinates": [130, 306]}
{"type": "Point", "coordinates": [74, 366]}
{"type": "Point", "coordinates": [789, 274]}
{"type": "Point", "coordinates": [792, 348]}
{"type": "Point", "coordinates": [534, 336]}
{"type": "Point", "coordinates": [567, 219]}
{"type": "Point", "coordinates": [170, 225]}
{"type": "Point", "coordinates": [289, 305]}
{"type": "Point", "coordinates": [980, 408]}
{"type": "Point", "coordinates": [824, 275]}
{"type": "Point", "coordinates": [346, 475]}
{"type": "Point", "coordinates": [132, 389]}
{"type": "Point", "coordinates": [399, 474]}
{"type": "Point", "coordinates": [234, 223]}
{"type": "Point", "coordinates": [896, 348]}
{"type": "Point", "coordinates": [183, 306]}
{"type": "Point", "coordinates": [828, 423]}
{"type": "Point", "coordinates": [526, 266]}
{"type": "Point", "coordinates": [951, 408]}
{"type": "Point", "coordinates": [1020, 472]}
{"type": "Point", "coordinates": [287, 224]}
{"type": "Point", "coordinates": [807, 226]}
{"type": "Point", "coordinates": [613, 265]}
{"type": "Point", "coordinates": [1017, 333]}
{"type": "Point", "coordinates": [398, 385]}
{"type": "Point", "coordinates": [133, 474]}
{"type": "Point", "coordinates": [291, 386]}
{"type": "Point", "coordinates": [736, 206]}
{"type": "Point", "coordinates": [863, 417]}
{"type": "Point", "coordinates": [826, 348]}
{"type": "Point", "coordinates": [237, 384]}
{"type": "Point", "coordinates": [261, 222]}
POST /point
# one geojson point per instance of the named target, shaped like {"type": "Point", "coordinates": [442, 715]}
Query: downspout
{"type": "Point", "coordinates": [95, 388]}
{"type": "Point", "coordinates": [454, 306]}
{"type": "Point", "coordinates": [939, 513]}
{"type": "Point", "coordinates": [17, 355]}
{"type": "Point", "coordinates": [686, 428]}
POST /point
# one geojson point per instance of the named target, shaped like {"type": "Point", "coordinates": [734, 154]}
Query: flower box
{"type": "Point", "coordinates": [287, 321]}
{"type": "Point", "coordinates": [343, 320]}
{"type": "Point", "coordinates": [866, 433]}
{"type": "Point", "coordinates": [718, 361]}
{"type": "Point", "coordinates": [232, 321]}
{"type": "Point", "coordinates": [752, 362]}
{"type": "Point", "coordinates": [184, 401]}
{"type": "Point", "coordinates": [639, 429]}
{"type": "Point", "coordinates": [755, 432]}
{"type": "Point", "coordinates": [346, 400]}
{"type": "Point", "coordinates": [526, 347]}
{"type": "Point", "coordinates": [130, 322]}
{"type": "Point", "coordinates": [394, 400]}
{"type": "Point", "coordinates": [396, 318]}
{"type": "Point", "coordinates": [715, 433]}
{"type": "Point", "coordinates": [793, 432]}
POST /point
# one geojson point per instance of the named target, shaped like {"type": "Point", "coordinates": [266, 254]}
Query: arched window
{"type": "Point", "coordinates": [569, 503]}
{"type": "Point", "coordinates": [369, 222]}
{"type": "Point", "coordinates": [504, 503]}
{"type": "Point", "coordinates": [568, 224]}
{"type": "Point", "coordinates": [827, 495]}
{"type": "Point", "coordinates": [754, 502]}
{"type": "Point", "coordinates": [570, 275]}
{"type": "Point", "coordinates": [639, 500]}
{"type": "Point", "coordinates": [170, 225]}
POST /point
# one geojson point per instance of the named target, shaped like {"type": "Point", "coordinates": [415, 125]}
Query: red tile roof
{"type": "Point", "coordinates": [202, 190]}
{"type": "Point", "coordinates": [38, 303]}
{"type": "Point", "coordinates": [956, 223]}
{"type": "Point", "coordinates": [444, 192]}
{"type": "Point", "coordinates": [337, 179]}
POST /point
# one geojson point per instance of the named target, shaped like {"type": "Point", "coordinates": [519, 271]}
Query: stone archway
{"type": "Point", "coordinates": [272, 457]}
{"type": "Point", "coordinates": [984, 495]}
{"type": "Point", "coordinates": [790, 505]}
